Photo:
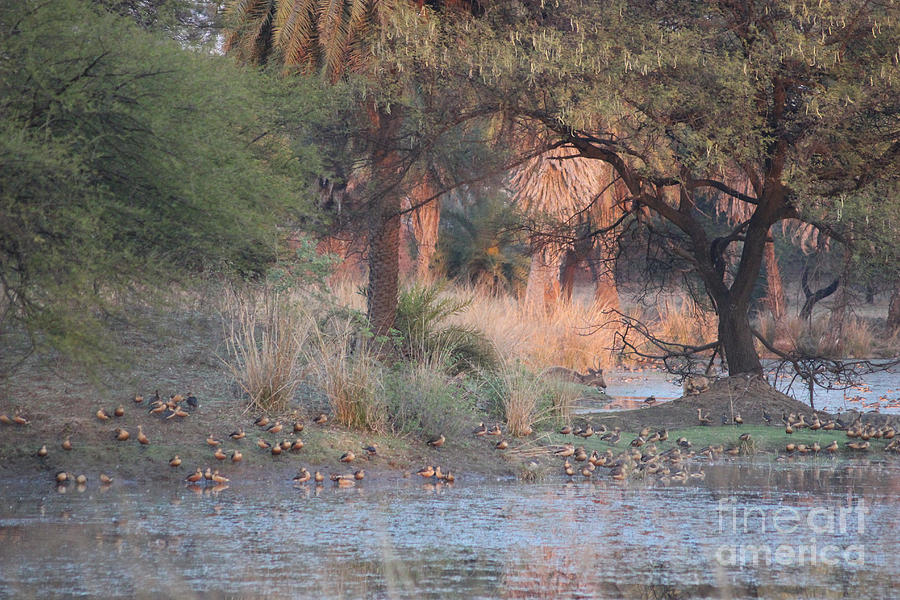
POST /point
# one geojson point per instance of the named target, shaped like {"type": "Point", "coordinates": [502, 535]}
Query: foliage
{"type": "Point", "coordinates": [420, 400]}
{"type": "Point", "coordinates": [479, 244]}
{"type": "Point", "coordinates": [126, 161]}
{"type": "Point", "coordinates": [424, 336]}
{"type": "Point", "coordinates": [789, 108]}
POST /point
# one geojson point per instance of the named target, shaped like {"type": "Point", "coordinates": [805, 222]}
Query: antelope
{"type": "Point", "coordinates": [593, 377]}
{"type": "Point", "coordinates": [695, 384]}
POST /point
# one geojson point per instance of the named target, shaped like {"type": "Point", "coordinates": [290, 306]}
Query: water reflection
{"type": "Point", "coordinates": [585, 539]}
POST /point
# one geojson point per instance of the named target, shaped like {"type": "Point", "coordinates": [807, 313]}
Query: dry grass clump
{"type": "Point", "coordinates": [684, 321]}
{"type": "Point", "coordinates": [817, 337]}
{"type": "Point", "coordinates": [264, 337]}
{"type": "Point", "coordinates": [348, 372]}
{"type": "Point", "coordinates": [519, 398]}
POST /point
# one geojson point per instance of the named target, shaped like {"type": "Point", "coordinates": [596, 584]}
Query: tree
{"type": "Point", "coordinates": [798, 98]}
{"type": "Point", "coordinates": [127, 163]}
{"type": "Point", "coordinates": [336, 40]}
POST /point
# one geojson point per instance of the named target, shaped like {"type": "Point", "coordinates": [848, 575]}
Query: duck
{"type": "Point", "coordinates": [263, 444]}
{"type": "Point", "coordinates": [105, 479]}
{"type": "Point", "coordinates": [790, 447]}
{"type": "Point", "coordinates": [42, 452]}
{"type": "Point", "coordinates": [815, 447]}
{"type": "Point", "coordinates": [745, 437]}
{"type": "Point", "coordinates": [286, 445]}
{"type": "Point", "coordinates": [858, 445]}
{"type": "Point", "coordinates": [20, 420]}
{"type": "Point", "coordinates": [586, 473]}
{"type": "Point", "coordinates": [345, 481]}
{"type": "Point", "coordinates": [303, 476]}
{"type": "Point", "coordinates": [638, 442]}
{"type": "Point", "coordinates": [738, 419]}
{"type": "Point", "coordinates": [732, 450]}
{"type": "Point", "coordinates": [617, 472]}
{"type": "Point", "coordinates": [321, 419]}
{"type": "Point", "coordinates": [275, 427]}
{"type": "Point", "coordinates": [650, 400]}
{"type": "Point", "coordinates": [767, 417]}
{"type": "Point", "coordinates": [348, 456]}
{"type": "Point", "coordinates": [371, 450]}
{"type": "Point", "coordinates": [587, 432]}
{"type": "Point", "coordinates": [480, 431]}
{"type": "Point", "coordinates": [359, 474]}
{"type": "Point", "coordinates": [207, 474]}
{"type": "Point", "coordinates": [101, 415]}
{"type": "Point", "coordinates": [141, 437]}
{"type": "Point", "coordinates": [566, 430]}
{"type": "Point", "coordinates": [220, 454]}
{"type": "Point", "coordinates": [6, 420]}
{"type": "Point", "coordinates": [237, 435]}
{"type": "Point", "coordinates": [236, 456]}
{"type": "Point", "coordinates": [219, 478]}
{"type": "Point", "coordinates": [569, 470]}
{"type": "Point", "coordinates": [426, 472]}
{"type": "Point", "coordinates": [318, 477]}
{"type": "Point", "coordinates": [138, 399]}
{"type": "Point", "coordinates": [276, 450]}
{"type": "Point", "coordinates": [501, 445]}
{"type": "Point", "coordinates": [67, 444]}
{"type": "Point", "coordinates": [178, 412]}
{"type": "Point", "coordinates": [663, 435]}
{"type": "Point", "coordinates": [449, 477]}
{"type": "Point", "coordinates": [645, 432]}
{"type": "Point", "coordinates": [298, 426]}
{"type": "Point", "coordinates": [816, 423]}
{"type": "Point", "coordinates": [120, 411]}
{"type": "Point", "coordinates": [704, 419]}
{"type": "Point", "coordinates": [261, 421]}
{"type": "Point", "coordinates": [297, 445]}
{"type": "Point", "coordinates": [495, 430]}
{"type": "Point", "coordinates": [175, 462]}
{"type": "Point", "coordinates": [566, 450]}
{"type": "Point", "coordinates": [62, 477]}
{"type": "Point", "coordinates": [683, 442]}
{"type": "Point", "coordinates": [436, 442]}
{"type": "Point", "coordinates": [832, 447]}
{"type": "Point", "coordinates": [81, 479]}
{"type": "Point", "coordinates": [192, 400]}
{"type": "Point", "coordinates": [788, 429]}
{"type": "Point", "coordinates": [156, 409]}
{"type": "Point", "coordinates": [195, 476]}
{"type": "Point", "coordinates": [212, 441]}
{"type": "Point", "coordinates": [724, 419]}
{"type": "Point", "coordinates": [830, 425]}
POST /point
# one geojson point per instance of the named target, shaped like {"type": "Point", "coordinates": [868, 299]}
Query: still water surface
{"type": "Point", "coordinates": [747, 530]}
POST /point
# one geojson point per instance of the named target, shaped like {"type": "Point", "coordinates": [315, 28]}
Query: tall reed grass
{"type": "Point", "coordinates": [264, 337]}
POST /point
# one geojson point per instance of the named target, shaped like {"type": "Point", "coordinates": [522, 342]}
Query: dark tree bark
{"type": "Point", "coordinates": [893, 317]}
{"type": "Point", "coordinates": [384, 225]}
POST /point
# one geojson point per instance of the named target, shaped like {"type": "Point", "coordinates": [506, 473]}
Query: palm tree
{"type": "Point", "coordinates": [577, 193]}
{"type": "Point", "coordinates": [329, 37]}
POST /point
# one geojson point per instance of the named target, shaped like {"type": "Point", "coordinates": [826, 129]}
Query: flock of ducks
{"type": "Point", "coordinates": [857, 432]}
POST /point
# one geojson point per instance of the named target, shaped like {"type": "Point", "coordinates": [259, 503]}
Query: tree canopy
{"type": "Point", "coordinates": [127, 163]}
{"type": "Point", "coordinates": [788, 107]}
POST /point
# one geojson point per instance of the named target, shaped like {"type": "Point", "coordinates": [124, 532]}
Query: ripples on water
{"type": "Point", "coordinates": [482, 540]}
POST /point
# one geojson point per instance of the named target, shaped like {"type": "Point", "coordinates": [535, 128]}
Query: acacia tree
{"type": "Point", "coordinates": [798, 98]}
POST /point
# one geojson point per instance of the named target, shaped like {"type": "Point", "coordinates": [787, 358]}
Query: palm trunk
{"type": "Point", "coordinates": [384, 227]}
{"type": "Point", "coordinates": [542, 289]}
{"type": "Point", "coordinates": [425, 221]}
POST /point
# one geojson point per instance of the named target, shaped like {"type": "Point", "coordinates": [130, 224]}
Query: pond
{"type": "Point", "coordinates": [748, 529]}
{"type": "Point", "coordinates": [881, 390]}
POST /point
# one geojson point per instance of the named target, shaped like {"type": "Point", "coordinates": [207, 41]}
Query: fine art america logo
{"type": "Point", "coordinates": [811, 535]}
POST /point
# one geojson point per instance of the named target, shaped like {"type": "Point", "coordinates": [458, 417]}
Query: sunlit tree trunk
{"type": "Point", "coordinates": [775, 298]}
{"type": "Point", "coordinates": [426, 221]}
{"type": "Point", "coordinates": [543, 278]}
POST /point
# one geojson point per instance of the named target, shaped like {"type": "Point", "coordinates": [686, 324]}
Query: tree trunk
{"type": "Point", "coordinates": [737, 339]}
{"type": "Point", "coordinates": [567, 276]}
{"type": "Point", "coordinates": [425, 221]}
{"type": "Point", "coordinates": [893, 316]}
{"type": "Point", "coordinates": [605, 291]}
{"type": "Point", "coordinates": [384, 226]}
{"type": "Point", "coordinates": [775, 287]}
{"type": "Point", "coordinates": [542, 289]}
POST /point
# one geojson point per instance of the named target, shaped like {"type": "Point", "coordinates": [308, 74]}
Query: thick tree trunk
{"type": "Point", "coordinates": [775, 287]}
{"type": "Point", "coordinates": [893, 316]}
{"type": "Point", "coordinates": [384, 227]}
{"type": "Point", "coordinates": [567, 275]}
{"type": "Point", "coordinates": [737, 339]}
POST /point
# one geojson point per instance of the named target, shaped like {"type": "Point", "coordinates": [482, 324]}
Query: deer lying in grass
{"type": "Point", "coordinates": [593, 377]}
